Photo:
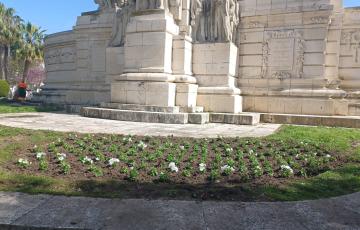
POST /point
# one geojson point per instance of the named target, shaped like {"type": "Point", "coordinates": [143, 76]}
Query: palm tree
{"type": "Point", "coordinates": [9, 34]}
{"type": "Point", "coordinates": [31, 46]}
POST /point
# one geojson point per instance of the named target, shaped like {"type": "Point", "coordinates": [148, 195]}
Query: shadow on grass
{"type": "Point", "coordinates": [330, 184]}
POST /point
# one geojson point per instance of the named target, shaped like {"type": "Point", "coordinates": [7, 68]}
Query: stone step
{"type": "Point", "coordinates": [354, 109]}
{"type": "Point", "coordinates": [313, 120]}
{"type": "Point", "coordinates": [144, 108]}
{"type": "Point", "coordinates": [135, 116]}
{"type": "Point", "coordinates": [197, 109]}
{"type": "Point", "coordinates": [235, 118]}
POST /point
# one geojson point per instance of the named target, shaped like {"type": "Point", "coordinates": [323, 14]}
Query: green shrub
{"type": "Point", "coordinates": [4, 88]}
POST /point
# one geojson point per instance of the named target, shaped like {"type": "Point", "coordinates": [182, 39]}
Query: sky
{"type": "Point", "coordinates": [60, 15]}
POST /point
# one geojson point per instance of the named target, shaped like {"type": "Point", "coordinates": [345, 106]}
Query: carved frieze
{"type": "Point", "coordinates": [283, 54]}
{"type": "Point", "coordinates": [60, 55]}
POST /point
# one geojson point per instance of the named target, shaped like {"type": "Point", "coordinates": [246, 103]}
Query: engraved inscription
{"type": "Point", "coordinates": [281, 55]}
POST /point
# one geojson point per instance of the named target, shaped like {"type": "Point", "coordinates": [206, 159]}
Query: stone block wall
{"type": "Point", "coordinates": [349, 66]}
{"type": "Point", "coordinates": [289, 56]}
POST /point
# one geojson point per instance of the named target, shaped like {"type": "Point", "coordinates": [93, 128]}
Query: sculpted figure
{"type": "Point", "coordinates": [121, 21]}
{"type": "Point", "coordinates": [214, 20]}
{"type": "Point", "coordinates": [196, 15]}
{"type": "Point", "coordinates": [175, 7]}
{"type": "Point", "coordinates": [105, 4]}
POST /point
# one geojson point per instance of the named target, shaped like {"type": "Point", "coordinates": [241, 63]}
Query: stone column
{"type": "Point", "coordinates": [147, 78]}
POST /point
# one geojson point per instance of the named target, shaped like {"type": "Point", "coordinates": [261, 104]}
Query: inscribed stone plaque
{"type": "Point", "coordinates": [281, 54]}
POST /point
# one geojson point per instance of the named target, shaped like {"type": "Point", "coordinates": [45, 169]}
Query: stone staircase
{"type": "Point", "coordinates": [167, 115]}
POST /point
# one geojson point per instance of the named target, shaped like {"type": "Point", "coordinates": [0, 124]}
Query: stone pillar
{"type": "Point", "coordinates": [214, 66]}
{"type": "Point", "coordinates": [147, 78]}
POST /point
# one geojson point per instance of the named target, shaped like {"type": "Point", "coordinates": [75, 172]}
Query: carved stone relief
{"type": "Point", "coordinates": [283, 54]}
{"type": "Point", "coordinates": [214, 20]}
{"type": "Point", "coordinates": [60, 55]}
{"type": "Point", "coordinates": [352, 41]}
{"type": "Point", "coordinates": [121, 21]}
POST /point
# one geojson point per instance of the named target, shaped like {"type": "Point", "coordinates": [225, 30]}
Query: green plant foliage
{"type": "Point", "coordinates": [4, 88]}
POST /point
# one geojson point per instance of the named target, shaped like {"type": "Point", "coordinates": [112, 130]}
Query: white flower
{"type": "Point", "coordinates": [287, 168]}
{"type": "Point", "coordinates": [40, 155]}
{"type": "Point", "coordinates": [127, 139]}
{"type": "Point", "coordinates": [24, 161]}
{"type": "Point", "coordinates": [97, 159]}
{"type": "Point", "coordinates": [229, 150]}
{"type": "Point", "coordinates": [87, 160]}
{"type": "Point", "coordinates": [328, 156]}
{"type": "Point", "coordinates": [113, 161]}
{"type": "Point", "coordinates": [202, 167]}
{"type": "Point", "coordinates": [227, 167]}
{"type": "Point", "coordinates": [142, 145]}
{"type": "Point", "coordinates": [61, 156]}
{"type": "Point", "coordinates": [182, 147]}
{"type": "Point", "coordinates": [173, 167]}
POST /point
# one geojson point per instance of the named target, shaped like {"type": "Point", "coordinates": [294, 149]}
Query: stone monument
{"type": "Point", "coordinates": [179, 61]}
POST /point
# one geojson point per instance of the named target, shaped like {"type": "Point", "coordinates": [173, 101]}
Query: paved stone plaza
{"type": "Point", "coordinates": [75, 123]}
{"type": "Point", "coordinates": [89, 213]}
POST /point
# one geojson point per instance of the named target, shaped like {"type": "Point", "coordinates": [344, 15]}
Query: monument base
{"type": "Point", "coordinates": [220, 99]}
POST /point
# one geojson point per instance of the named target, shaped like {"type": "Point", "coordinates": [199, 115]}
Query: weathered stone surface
{"type": "Point", "coordinates": [135, 116]}
{"type": "Point", "coordinates": [238, 119]}
{"type": "Point", "coordinates": [330, 121]}
{"type": "Point", "coordinates": [199, 118]}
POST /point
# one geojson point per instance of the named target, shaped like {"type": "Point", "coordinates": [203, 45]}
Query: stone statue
{"type": "Point", "coordinates": [121, 21]}
{"type": "Point", "coordinates": [196, 15]}
{"type": "Point", "coordinates": [214, 20]}
{"type": "Point", "coordinates": [105, 4]}
{"type": "Point", "coordinates": [151, 4]}
{"type": "Point", "coordinates": [175, 7]}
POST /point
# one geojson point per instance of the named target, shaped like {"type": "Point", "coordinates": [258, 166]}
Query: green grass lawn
{"type": "Point", "coordinates": [6, 107]}
{"type": "Point", "coordinates": [322, 162]}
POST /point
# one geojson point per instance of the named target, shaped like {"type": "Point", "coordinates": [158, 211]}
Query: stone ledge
{"type": "Point", "coordinates": [234, 118]}
{"type": "Point", "coordinates": [199, 118]}
{"type": "Point", "coordinates": [330, 121]}
{"type": "Point", "coordinates": [135, 116]}
{"type": "Point", "coordinates": [144, 108]}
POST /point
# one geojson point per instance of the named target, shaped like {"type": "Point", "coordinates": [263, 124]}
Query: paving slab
{"type": "Point", "coordinates": [75, 123]}
{"type": "Point", "coordinates": [59, 212]}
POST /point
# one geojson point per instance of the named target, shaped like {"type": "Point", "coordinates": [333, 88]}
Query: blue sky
{"type": "Point", "coordinates": [59, 15]}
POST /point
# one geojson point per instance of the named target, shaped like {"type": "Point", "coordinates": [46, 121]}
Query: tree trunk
{"type": "Point", "coordinates": [26, 70]}
{"type": "Point", "coordinates": [7, 54]}
{"type": "Point", "coordinates": [2, 67]}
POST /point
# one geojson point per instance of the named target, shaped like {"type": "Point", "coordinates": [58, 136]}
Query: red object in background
{"type": "Point", "coordinates": [22, 85]}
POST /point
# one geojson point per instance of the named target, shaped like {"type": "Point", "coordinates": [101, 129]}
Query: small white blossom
{"type": "Point", "coordinates": [328, 156]}
{"type": "Point", "coordinates": [229, 150]}
{"type": "Point", "coordinates": [40, 155]}
{"type": "Point", "coordinates": [202, 167]}
{"type": "Point", "coordinates": [113, 161]}
{"type": "Point", "coordinates": [61, 156]}
{"type": "Point", "coordinates": [127, 139]}
{"type": "Point", "coordinates": [227, 167]}
{"type": "Point", "coordinates": [24, 162]}
{"type": "Point", "coordinates": [87, 160]}
{"type": "Point", "coordinates": [287, 168]}
{"type": "Point", "coordinates": [173, 167]}
{"type": "Point", "coordinates": [97, 159]}
{"type": "Point", "coordinates": [182, 147]}
{"type": "Point", "coordinates": [142, 145]}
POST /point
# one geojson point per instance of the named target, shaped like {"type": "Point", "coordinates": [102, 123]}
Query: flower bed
{"type": "Point", "coordinates": [177, 160]}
